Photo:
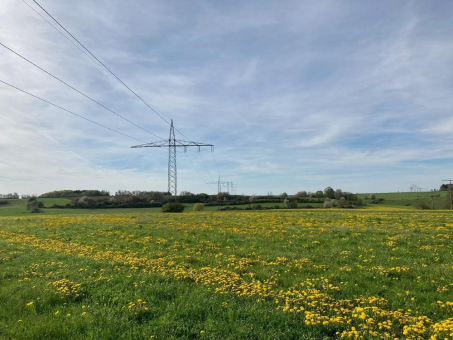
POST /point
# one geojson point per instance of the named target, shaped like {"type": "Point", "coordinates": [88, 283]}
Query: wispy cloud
{"type": "Point", "coordinates": [295, 95]}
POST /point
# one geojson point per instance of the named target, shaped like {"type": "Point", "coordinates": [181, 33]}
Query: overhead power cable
{"type": "Point", "coordinates": [96, 60]}
{"type": "Point", "coordinates": [110, 71]}
{"type": "Point", "coordinates": [215, 161]}
{"type": "Point", "coordinates": [71, 112]}
{"type": "Point", "coordinates": [199, 154]}
{"type": "Point", "coordinates": [73, 88]}
{"type": "Point", "coordinates": [62, 34]}
{"type": "Point", "coordinates": [202, 178]}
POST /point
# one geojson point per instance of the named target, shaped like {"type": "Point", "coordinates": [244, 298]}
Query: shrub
{"type": "Point", "coordinates": [33, 205]}
{"type": "Point", "coordinates": [291, 204]}
{"type": "Point", "coordinates": [173, 207]}
{"type": "Point", "coordinates": [3, 202]}
{"type": "Point", "coordinates": [198, 207]}
{"type": "Point", "coordinates": [422, 205]}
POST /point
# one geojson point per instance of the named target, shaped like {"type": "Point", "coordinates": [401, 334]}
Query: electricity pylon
{"type": "Point", "coordinates": [172, 143]}
{"type": "Point", "coordinates": [221, 184]}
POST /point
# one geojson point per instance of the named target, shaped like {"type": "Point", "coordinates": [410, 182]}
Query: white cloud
{"type": "Point", "coordinates": [293, 95]}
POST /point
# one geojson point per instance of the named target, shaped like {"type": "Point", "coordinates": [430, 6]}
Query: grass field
{"type": "Point", "coordinates": [404, 200]}
{"type": "Point", "coordinates": [18, 208]}
{"type": "Point", "coordinates": [303, 274]}
{"type": "Point", "coordinates": [409, 199]}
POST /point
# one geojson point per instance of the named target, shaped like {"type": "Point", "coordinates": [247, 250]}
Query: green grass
{"type": "Point", "coordinates": [204, 275]}
{"type": "Point", "coordinates": [18, 208]}
{"type": "Point", "coordinates": [408, 199]}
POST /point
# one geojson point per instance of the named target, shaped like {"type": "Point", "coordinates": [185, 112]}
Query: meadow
{"type": "Point", "coordinates": [283, 274]}
{"type": "Point", "coordinates": [409, 200]}
{"type": "Point", "coordinates": [18, 207]}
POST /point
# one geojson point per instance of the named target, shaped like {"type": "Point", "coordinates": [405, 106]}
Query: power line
{"type": "Point", "coordinates": [198, 171]}
{"type": "Point", "coordinates": [215, 161]}
{"type": "Point", "coordinates": [73, 113]}
{"type": "Point", "coordinates": [113, 74]}
{"type": "Point", "coordinates": [56, 29]}
{"type": "Point", "coordinates": [205, 166]}
{"type": "Point", "coordinates": [201, 162]}
{"type": "Point", "coordinates": [73, 88]}
{"type": "Point", "coordinates": [110, 71]}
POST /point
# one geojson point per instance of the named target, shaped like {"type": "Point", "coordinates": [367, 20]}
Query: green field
{"type": "Point", "coordinates": [301, 274]}
{"type": "Point", "coordinates": [407, 199]}
{"type": "Point", "coordinates": [18, 208]}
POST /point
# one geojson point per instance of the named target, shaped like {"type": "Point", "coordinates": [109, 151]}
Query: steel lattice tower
{"type": "Point", "coordinates": [172, 173]}
{"type": "Point", "coordinates": [172, 144]}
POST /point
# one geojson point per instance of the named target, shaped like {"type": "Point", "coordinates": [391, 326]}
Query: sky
{"type": "Point", "coordinates": [295, 95]}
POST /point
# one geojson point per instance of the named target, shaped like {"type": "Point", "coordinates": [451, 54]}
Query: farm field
{"type": "Point", "coordinates": [302, 274]}
{"type": "Point", "coordinates": [407, 200]}
{"type": "Point", "coordinates": [17, 207]}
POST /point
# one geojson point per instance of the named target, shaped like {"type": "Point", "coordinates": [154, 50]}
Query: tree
{"type": "Point", "coordinates": [338, 194]}
{"type": "Point", "coordinates": [329, 193]}
{"type": "Point", "coordinates": [301, 194]}
{"type": "Point", "coordinates": [443, 187]}
{"type": "Point", "coordinates": [283, 195]}
{"type": "Point", "coordinates": [291, 204]}
{"type": "Point", "coordinates": [186, 193]}
{"type": "Point", "coordinates": [318, 194]}
{"type": "Point", "coordinates": [33, 205]}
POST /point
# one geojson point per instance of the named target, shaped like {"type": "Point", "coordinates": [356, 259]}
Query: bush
{"type": "Point", "coordinates": [291, 204]}
{"type": "Point", "coordinates": [327, 205]}
{"type": "Point", "coordinates": [198, 207]}
{"type": "Point", "coordinates": [422, 205]}
{"type": "Point", "coordinates": [33, 205]}
{"type": "Point", "coordinates": [173, 207]}
{"type": "Point", "coordinates": [3, 202]}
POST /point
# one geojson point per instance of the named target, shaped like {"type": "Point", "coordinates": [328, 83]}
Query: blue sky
{"type": "Point", "coordinates": [295, 95]}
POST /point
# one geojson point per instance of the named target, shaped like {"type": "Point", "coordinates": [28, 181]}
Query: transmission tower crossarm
{"type": "Point", "coordinates": [164, 144]}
